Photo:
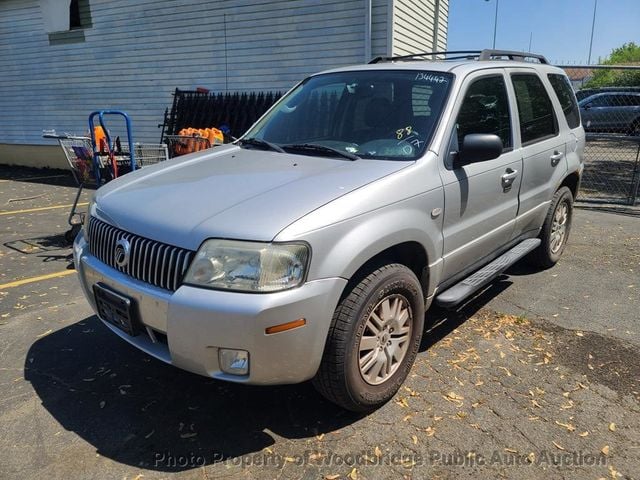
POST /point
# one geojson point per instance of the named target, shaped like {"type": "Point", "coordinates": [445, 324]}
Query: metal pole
{"type": "Point", "coordinates": [530, 40]}
{"type": "Point", "coordinates": [593, 24]}
{"type": "Point", "coordinates": [495, 24]}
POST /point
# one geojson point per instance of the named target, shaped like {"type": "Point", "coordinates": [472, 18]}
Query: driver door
{"type": "Point", "coordinates": [481, 198]}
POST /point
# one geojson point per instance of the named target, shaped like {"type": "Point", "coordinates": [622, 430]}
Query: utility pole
{"type": "Point", "coordinates": [593, 24]}
{"type": "Point", "coordinates": [495, 24]}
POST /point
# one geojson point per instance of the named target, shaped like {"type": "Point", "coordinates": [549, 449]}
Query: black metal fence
{"type": "Point", "coordinates": [609, 99]}
{"type": "Point", "coordinates": [233, 111]}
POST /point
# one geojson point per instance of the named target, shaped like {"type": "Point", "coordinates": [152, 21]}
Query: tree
{"type": "Point", "coordinates": [627, 54]}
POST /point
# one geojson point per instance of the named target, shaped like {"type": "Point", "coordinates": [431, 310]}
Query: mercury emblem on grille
{"type": "Point", "coordinates": [122, 252]}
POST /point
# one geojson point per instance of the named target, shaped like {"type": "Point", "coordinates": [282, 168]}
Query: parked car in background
{"type": "Point", "coordinates": [311, 248]}
{"type": "Point", "coordinates": [587, 92]}
{"type": "Point", "coordinates": [612, 112]}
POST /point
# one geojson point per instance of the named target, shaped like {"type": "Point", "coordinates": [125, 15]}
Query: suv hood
{"type": "Point", "coordinates": [230, 192]}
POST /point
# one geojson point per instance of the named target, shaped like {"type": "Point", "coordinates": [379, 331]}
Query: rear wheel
{"type": "Point", "coordinates": [555, 230]}
{"type": "Point", "coordinates": [373, 340]}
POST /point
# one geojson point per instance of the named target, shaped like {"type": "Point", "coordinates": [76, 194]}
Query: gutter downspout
{"type": "Point", "coordinates": [390, 27]}
{"type": "Point", "coordinates": [367, 30]}
{"type": "Point", "coordinates": [436, 27]}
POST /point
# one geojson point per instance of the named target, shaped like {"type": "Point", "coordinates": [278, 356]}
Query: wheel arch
{"type": "Point", "coordinates": [572, 182]}
{"type": "Point", "coordinates": [411, 254]}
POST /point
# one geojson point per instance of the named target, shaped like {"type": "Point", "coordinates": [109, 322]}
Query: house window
{"type": "Point", "coordinates": [79, 14]}
{"type": "Point", "coordinates": [74, 15]}
{"type": "Point", "coordinates": [65, 20]}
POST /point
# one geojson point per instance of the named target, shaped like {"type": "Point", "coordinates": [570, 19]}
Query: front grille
{"type": "Point", "coordinates": [152, 262]}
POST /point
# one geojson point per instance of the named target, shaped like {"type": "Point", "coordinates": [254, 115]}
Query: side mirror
{"type": "Point", "coordinates": [478, 147]}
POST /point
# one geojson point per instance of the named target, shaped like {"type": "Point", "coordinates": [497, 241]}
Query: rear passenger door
{"type": "Point", "coordinates": [542, 147]}
{"type": "Point", "coordinates": [481, 198]}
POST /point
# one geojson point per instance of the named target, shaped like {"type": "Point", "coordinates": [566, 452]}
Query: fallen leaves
{"type": "Point", "coordinates": [453, 396]}
{"type": "Point", "coordinates": [605, 450]}
{"type": "Point", "coordinates": [568, 426]}
{"type": "Point", "coordinates": [612, 427]}
{"type": "Point", "coordinates": [44, 334]}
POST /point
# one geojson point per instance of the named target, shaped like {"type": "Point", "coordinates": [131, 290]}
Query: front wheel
{"type": "Point", "coordinates": [373, 340]}
{"type": "Point", "coordinates": [555, 230]}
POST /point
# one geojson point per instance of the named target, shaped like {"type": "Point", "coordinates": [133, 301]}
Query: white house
{"type": "Point", "coordinates": [61, 59]}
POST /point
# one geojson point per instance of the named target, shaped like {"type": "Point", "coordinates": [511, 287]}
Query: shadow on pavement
{"type": "Point", "coordinates": [138, 411]}
{"type": "Point", "coordinates": [441, 322]}
{"type": "Point", "coordinates": [141, 412]}
{"type": "Point", "coordinates": [46, 176]}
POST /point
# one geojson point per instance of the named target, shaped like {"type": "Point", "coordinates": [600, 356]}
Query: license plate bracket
{"type": "Point", "coordinates": [116, 309]}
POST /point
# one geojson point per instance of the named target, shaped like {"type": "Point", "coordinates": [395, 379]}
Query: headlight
{"type": "Point", "coordinates": [248, 266]}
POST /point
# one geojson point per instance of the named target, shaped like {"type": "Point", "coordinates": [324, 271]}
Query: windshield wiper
{"type": "Point", "coordinates": [258, 142]}
{"type": "Point", "coordinates": [313, 147]}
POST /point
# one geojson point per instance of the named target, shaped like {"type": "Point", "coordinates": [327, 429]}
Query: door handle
{"type": "Point", "coordinates": [556, 157]}
{"type": "Point", "coordinates": [508, 178]}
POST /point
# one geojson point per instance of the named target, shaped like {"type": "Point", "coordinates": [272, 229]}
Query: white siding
{"type": "Point", "coordinates": [414, 26]}
{"type": "Point", "coordinates": [379, 24]}
{"type": "Point", "coordinates": [138, 51]}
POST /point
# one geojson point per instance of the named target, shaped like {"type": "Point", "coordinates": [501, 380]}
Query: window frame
{"type": "Point", "coordinates": [447, 158]}
{"type": "Point", "coordinates": [556, 123]}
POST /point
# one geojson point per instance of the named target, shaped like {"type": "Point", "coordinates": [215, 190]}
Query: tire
{"type": "Point", "coordinates": [555, 230]}
{"type": "Point", "coordinates": [353, 352]}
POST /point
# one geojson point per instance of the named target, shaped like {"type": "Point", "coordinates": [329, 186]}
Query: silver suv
{"type": "Point", "coordinates": [312, 247]}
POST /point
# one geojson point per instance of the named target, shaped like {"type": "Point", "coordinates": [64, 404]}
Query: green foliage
{"type": "Point", "coordinates": [627, 54]}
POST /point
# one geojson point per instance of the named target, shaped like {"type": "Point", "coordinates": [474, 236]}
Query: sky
{"type": "Point", "coordinates": [560, 29]}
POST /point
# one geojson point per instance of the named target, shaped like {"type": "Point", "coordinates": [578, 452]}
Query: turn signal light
{"type": "Point", "coordinates": [283, 327]}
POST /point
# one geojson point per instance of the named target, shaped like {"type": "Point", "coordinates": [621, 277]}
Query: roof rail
{"type": "Point", "coordinates": [489, 54]}
{"type": "Point", "coordinates": [481, 55]}
{"type": "Point", "coordinates": [460, 54]}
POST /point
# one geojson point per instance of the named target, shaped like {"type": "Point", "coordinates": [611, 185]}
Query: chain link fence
{"type": "Point", "coordinates": [611, 118]}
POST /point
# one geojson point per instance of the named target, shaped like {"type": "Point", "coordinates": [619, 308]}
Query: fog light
{"type": "Point", "coordinates": [234, 362]}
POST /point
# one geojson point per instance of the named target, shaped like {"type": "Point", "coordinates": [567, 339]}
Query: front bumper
{"type": "Point", "coordinates": [186, 328]}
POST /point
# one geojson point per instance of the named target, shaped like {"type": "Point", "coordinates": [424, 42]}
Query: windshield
{"type": "Point", "coordinates": [380, 114]}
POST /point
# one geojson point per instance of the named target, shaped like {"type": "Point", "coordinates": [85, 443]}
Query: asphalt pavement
{"type": "Point", "coordinates": [538, 377]}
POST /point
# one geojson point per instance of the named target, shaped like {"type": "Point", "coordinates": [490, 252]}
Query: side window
{"type": "Point", "coordinates": [623, 101]}
{"type": "Point", "coordinates": [535, 110]}
{"type": "Point", "coordinates": [485, 109]}
{"type": "Point", "coordinates": [567, 99]}
{"type": "Point", "coordinates": [601, 101]}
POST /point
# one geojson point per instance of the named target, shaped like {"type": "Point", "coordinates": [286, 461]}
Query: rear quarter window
{"type": "Point", "coordinates": [564, 92]}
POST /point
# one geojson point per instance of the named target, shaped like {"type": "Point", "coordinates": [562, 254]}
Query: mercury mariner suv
{"type": "Point", "coordinates": [312, 247]}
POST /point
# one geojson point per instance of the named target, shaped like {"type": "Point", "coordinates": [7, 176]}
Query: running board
{"type": "Point", "coordinates": [470, 285]}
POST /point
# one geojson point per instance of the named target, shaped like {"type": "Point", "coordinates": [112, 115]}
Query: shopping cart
{"type": "Point", "coordinates": [94, 163]}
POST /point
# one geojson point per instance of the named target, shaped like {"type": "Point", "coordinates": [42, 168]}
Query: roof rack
{"type": "Point", "coordinates": [480, 55]}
